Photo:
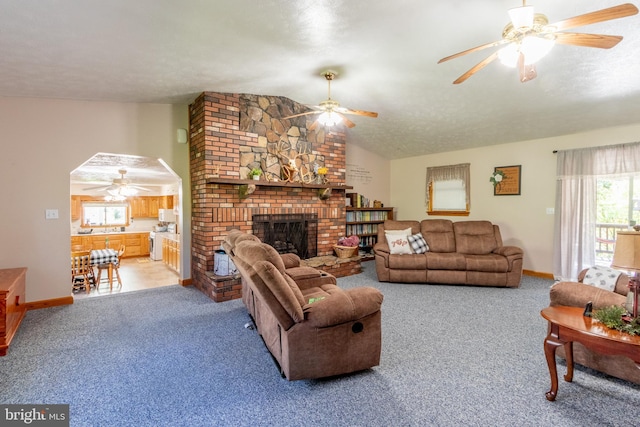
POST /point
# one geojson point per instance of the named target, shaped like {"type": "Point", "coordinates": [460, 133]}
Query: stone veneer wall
{"type": "Point", "coordinates": [230, 133]}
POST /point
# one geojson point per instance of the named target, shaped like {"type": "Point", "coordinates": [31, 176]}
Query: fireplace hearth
{"type": "Point", "coordinates": [289, 233]}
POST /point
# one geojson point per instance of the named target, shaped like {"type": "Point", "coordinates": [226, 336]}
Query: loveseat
{"type": "Point", "coordinates": [578, 294]}
{"type": "Point", "coordinates": [312, 327]}
{"type": "Point", "coordinates": [446, 252]}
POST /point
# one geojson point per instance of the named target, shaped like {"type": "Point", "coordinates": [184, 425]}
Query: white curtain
{"type": "Point", "coordinates": [575, 220]}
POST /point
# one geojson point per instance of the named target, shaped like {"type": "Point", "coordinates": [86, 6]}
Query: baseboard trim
{"type": "Point", "coordinates": [538, 274]}
{"type": "Point", "coordinates": [46, 303]}
{"type": "Point", "coordinates": [186, 282]}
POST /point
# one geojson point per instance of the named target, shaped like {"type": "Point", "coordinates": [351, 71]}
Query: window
{"type": "Point", "coordinates": [618, 207]}
{"type": "Point", "coordinates": [105, 214]}
{"type": "Point", "coordinates": [580, 172]}
{"type": "Point", "coordinates": [448, 190]}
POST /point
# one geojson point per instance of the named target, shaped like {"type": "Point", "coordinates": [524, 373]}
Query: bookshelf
{"type": "Point", "coordinates": [363, 222]}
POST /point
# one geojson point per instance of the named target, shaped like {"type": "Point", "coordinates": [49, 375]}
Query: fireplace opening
{"type": "Point", "coordinates": [289, 233]}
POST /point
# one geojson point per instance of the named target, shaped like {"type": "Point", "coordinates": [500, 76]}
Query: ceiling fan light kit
{"type": "Point", "coordinates": [529, 37]}
{"type": "Point", "coordinates": [119, 189]}
{"type": "Point", "coordinates": [330, 112]}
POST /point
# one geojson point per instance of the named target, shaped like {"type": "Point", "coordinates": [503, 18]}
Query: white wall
{"type": "Point", "coordinates": [369, 174]}
{"type": "Point", "coordinates": [523, 219]}
{"type": "Point", "coordinates": [42, 141]}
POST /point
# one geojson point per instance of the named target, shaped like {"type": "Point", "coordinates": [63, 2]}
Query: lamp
{"type": "Point", "coordinates": [534, 49]}
{"type": "Point", "coordinates": [527, 33]}
{"type": "Point", "coordinates": [627, 257]}
{"type": "Point", "coordinates": [329, 118]}
{"type": "Point", "coordinates": [521, 16]}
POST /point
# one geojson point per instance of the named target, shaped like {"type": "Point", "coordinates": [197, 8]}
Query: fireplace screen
{"type": "Point", "coordinates": [289, 233]}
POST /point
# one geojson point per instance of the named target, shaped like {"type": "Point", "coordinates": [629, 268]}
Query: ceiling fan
{"type": "Point", "coordinates": [528, 37]}
{"type": "Point", "coordinates": [330, 111]}
{"type": "Point", "coordinates": [120, 186]}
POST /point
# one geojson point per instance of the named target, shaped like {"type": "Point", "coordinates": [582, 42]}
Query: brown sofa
{"type": "Point", "coordinates": [578, 294]}
{"type": "Point", "coordinates": [463, 252]}
{"type": "Point", "coordinates": [312, 328]}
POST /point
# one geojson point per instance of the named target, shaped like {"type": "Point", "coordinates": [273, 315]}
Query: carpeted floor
{"type": "Point", "coordinates": [451, 356]}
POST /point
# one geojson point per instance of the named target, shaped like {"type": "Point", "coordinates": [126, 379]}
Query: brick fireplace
{"type": "Point", "coordinates": [229, 135]}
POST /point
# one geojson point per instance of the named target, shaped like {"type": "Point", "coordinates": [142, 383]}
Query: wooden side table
{"type": "Point", "coordinates": [12, 304]}
{"type": "Point", "coordinates": [567, 325]}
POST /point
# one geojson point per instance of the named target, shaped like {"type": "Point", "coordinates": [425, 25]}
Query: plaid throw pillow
{"type": "Point", "coordinates": [418, 244]}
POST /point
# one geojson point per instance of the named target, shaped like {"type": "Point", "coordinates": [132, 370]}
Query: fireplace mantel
{"type": "Point", "coordinates": [261, 183]}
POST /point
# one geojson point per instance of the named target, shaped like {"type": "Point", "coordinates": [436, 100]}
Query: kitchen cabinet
{"type": "Point", "coordinates": [136, 244]}
{"type": "Point", "coordinates": [76, 205]}
{"type": "Point", "coordinates": [107, 241]}
{"type": "Point", "coordinates": [147, 206]}
{"type": "Point", "coordinates": [171, 252]}
{"type": "Point", "coordinates": [153, 204]}
{"type": "Point", "coordinates": [139, 207]}
{"type": "Point", "coordinates": [81, 243]}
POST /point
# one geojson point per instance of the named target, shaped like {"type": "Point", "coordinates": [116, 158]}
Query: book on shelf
{"type": "Point", "coordinates": [357, 200]}
{"type": "Point", "coordinates": [364, 216]}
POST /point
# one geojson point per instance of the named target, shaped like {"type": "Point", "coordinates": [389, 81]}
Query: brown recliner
{"type": "Point", "coordinates": [312, 327]}
{"type": "Point", "coordinates": [578, 294]}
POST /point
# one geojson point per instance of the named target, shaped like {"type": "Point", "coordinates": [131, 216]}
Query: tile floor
{"type": "Point", "coordinates": [136, 274]}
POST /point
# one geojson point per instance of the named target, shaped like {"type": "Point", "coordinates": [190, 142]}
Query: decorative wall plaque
{"type": "Point", "coordinates": [510, 183]}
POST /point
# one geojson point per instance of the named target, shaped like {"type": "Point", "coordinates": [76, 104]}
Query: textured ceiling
{"type": "Point", "coordinates": [103, 168]}
{"type": "Point", "coordinates": [386, 53]}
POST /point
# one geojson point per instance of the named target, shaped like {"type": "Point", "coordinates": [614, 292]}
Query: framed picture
{"type": "Point", "coordinates": [510, 183]}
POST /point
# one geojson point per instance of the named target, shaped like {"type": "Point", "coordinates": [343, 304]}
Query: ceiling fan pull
{"type": "Point", "coordinates": [527, 71]}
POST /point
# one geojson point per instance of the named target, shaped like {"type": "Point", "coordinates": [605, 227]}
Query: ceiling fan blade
{"type": "Point", "coordinates": [527, 71]}
{"type": "Point", "coordinates": [601, 41]}
{"type": "Point", "coordinates": [346, 121]}
{"type": "Point", "coordinates": [602, 15]}
{"type": "Point", "coordinates": [301, 114]}
{"type": "Point", "coordinates": [99, 188]}
{"type": "Point", "coordinates": [358, 112]}
{"type": "Point", "coordinates": [473, 49]}
{"type": "Point", "coordinates": [479, 66]}
{"type": "Point", "coordinates": [313, 125]}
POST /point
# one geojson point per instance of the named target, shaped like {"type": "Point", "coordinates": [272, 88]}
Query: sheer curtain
{"type": "Point", "coordinates": [575, 220]}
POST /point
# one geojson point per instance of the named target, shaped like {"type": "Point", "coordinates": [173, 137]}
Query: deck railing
{"type": "Point", "coordinates": [606, 241]}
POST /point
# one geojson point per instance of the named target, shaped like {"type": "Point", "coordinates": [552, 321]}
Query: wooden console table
{"type": "Point", "coordinates": [567, 325]}
{"type": "Point", "coordinates": [12, 304]}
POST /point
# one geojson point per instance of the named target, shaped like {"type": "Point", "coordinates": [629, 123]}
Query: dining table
{"type": "Point", "coordinates": [104, 256]}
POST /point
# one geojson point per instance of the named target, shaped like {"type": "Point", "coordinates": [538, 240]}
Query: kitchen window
{"type": "Point", "coordinates": [105, 214]}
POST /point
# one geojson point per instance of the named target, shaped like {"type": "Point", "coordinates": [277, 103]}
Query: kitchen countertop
{"type": "Point", "coordinates": [171, 236]}
{"type": "Point", "coordinates": [100, 233]}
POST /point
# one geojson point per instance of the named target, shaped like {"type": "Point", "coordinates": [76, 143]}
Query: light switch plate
{"type": "Point", "coordinates": [51, 214]}
{"type": "Point", "coordinates": [551, 211]}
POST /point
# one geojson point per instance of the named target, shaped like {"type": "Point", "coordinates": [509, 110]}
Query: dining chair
{"type": "Point", "coordinates": [81, 271]}
{"type": "Point", "coordinates": [115, 266]}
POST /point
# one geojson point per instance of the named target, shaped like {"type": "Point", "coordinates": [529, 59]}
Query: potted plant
{"type": "Point", "coordinates": [255, 173]}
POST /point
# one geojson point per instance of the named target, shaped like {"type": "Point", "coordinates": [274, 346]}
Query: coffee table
{"type": "Point", "coordinates": [567, 325]}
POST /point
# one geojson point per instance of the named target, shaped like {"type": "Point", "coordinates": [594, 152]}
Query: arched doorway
{"type": "Point", "coordinates": [132, 201]}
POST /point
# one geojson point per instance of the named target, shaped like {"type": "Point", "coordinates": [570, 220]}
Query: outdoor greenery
{"type": "Point", "coordinates": [613, 200]}
{"type": "Point", "coordinates": [615, 211]}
